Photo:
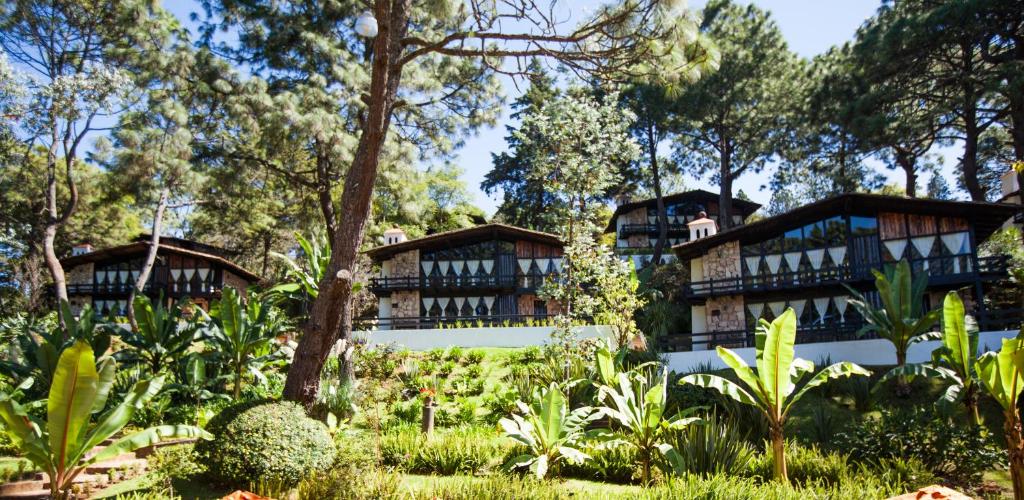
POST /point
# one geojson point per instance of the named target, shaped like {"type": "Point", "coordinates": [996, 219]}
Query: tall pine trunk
{"type": "Point", "coordinates": [659, 247]}
{"type": "Point", "coordinates": [147, 265]}
{"type": "Point", "coordinates": [725, 191]}
{"type": "Point", "coordinates": [55, 218]}
{"type": "Point", "coordinates": [907, 162]}
{"type": "Point", "coordinates": [331, 313]}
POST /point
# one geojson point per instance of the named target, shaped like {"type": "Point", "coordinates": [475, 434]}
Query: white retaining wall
{"type": "Point", "coordinates": [863, 352]}
{"type": "Point", "coordinates": [474, 337]}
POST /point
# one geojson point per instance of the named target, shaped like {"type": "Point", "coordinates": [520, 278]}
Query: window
{"type": "Point", "coordinates": [792, 240]}
{"type": "Point", "coordinates": [814, 235]}
{"type": "Point", "coordinates": [863, 226]}
{"type": "Point", "coordinates": [835, 232]}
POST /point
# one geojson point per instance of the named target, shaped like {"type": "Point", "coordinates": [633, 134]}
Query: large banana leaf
{"type": "Point", "coordinates": [838, 370]}
{"type": "Point", "coordinates": [775, 360]}
{"type": "Point", "coordinates": [74, 389]}
{"type": "Point", "coordinates": [724, 386]}
{"type": "Point", "coordinates": [1002, 373]}
{"type": "Point", "coordinates": [148, 437]}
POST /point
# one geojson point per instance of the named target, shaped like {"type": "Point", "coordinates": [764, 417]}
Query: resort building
{"type": "Point", "coordinates": [803, 258]}
{"type": "Point", "coordinates": [183, 270]}
{"type": "Point", "coordinates": [486, 274]}
{"type": "Point", "coordinates": [635, 224]}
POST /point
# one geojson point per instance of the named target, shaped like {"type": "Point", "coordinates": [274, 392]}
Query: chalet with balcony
{"type": "Point", "coordinates": [635, 224]}
{"type": "Point", "coordinates": [802, 259]}
{"type": "Point", "coordinates": [486, 274]}
{"type": "Point", "coordinates": [184, 269]}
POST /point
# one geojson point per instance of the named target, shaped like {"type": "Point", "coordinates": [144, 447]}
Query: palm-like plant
{"type": "Point", "coordinates": [639, 409]}
{"type": "Point", "coordinates": [1002, 376]}
{"type": "Point", "coordinates": [163, 336]}
{"type": "Point", "coordinates": [39, 350]}
{"type": "Point", "coordinates": [549, 429]}
{"type": "Point", "coordinates": [60, 445]}
{"type": "Point", "coordinates": [902, 319]}
{"type": "Point", "coordinates": [244, 334]}
{"type": "Point", "coordinates": [302, 276]}
{"type": "Point", "coordinates": [954, 361]}
{"type": "Point", "coordinates": [193, 384]}
{"type": "Point", "coordinates": [773, 389]}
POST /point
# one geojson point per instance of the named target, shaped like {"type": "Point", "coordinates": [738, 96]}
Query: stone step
{"type": "Point", "coordinates": [128, 464]}
{"type": "Point", "coordinates": [36, 494]}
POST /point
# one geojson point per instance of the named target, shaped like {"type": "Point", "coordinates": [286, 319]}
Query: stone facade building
{"type": "Point", "coordinates": [484, 274]}
{"type": "Point", "coordinates": [635, 223]}
{"type": "Point", "coordinates": [805, 258]}
{"type": "Point", "coordinates": [183, 270]}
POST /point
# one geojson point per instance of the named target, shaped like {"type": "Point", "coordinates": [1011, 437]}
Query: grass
{"type": "Point", "coordinates": [413, 483]}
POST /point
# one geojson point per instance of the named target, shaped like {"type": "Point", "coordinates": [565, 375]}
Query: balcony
{"type": "Point", "coordinates": [441, 322]}
{"type": "Point", "coordinates": [988, 268]}
{"type": "Point", "coordinates": [673, 228]}
{"type": "Point", "coordinates": [455, 283]}
{"type": "Point", "coordinates": [741, 338]}
{"type": "Point", "coordinates": [124, 289]}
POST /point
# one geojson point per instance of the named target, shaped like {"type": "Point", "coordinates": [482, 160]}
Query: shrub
{"type": "Point", "coordinates": [410, 411]}
{"type": "Point", "coordinates": [446, 369]}
{"type": "Point", "coordinates": [435, 355]}
{"type": "Point", "coordinates": [614, 465]}
{"type": "Point", "coordinates": [175, 462]}
{"type": "Point", "coordinates": [461, 450]}
{"type": "Point", "coordinates": [454, 354]}
{"type": "Point", "coordinates": [525, 356]}
{"type": "Point", "coordinates": [379, 362]}
{"type": "Point", "coordinates": [715, 447]}
{"type": "Point", "coordinates": [474, 357]}
{"type": "Point", "coordinates": [461, 412]}
{"type": "Point", "coordinates": [807, 465]}
{"type": "Point", "coordinates": [957, 452]}
{"type": "Point", "coordinates": [499, 403]}
{"type": "Point", "coordinates": [265, 441]}
{"type": "Point", "coordinates": [475, 372]}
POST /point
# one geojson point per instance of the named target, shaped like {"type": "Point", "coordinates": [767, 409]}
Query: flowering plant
{"type": "Point", "coordinates": [427, 393]}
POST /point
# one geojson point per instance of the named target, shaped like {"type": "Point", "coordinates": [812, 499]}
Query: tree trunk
{"type": "Point", "coordinates": [907, 162]}
{"type": "Point", "coordinates": [331, 312]}
{"type": "Point", "coordinates": [969, 161]}
{"type": "Point", "coordinates": [779, 452]}
{"type": "Point", "coordinates": [662, 213]}
{"type": "Point", "coordinates": [725, 190]}
{"type": "Point", "coordinates": [147, 265]}
{"type": "Point", "coordinates": [1015, 449]}
{"type": "Point", "coordinates": [55, 219]}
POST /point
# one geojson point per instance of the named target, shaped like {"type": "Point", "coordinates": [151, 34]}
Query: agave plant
{"type": "Point", "coordinates": [164, 335]}
{"type": "Point", "coordinates": [60, 446]}
{"type": "Point", "coordinates": [1002, 376]}
{"type": "Point", "coordinates": [639, 409]}
{"type": "Point", "coordinates": [244, 335]}
{"type": "Point", "coordinates": [549, 429]}
{"type": "Point", "coordinates": [954, 361]}
{"type": "Point", "coordinates": [902, 319]}
{"type": "Point", "coordinates": [773, 388]}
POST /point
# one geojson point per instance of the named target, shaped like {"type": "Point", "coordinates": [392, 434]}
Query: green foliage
{"type": "Point", "coordinates": [616, 464]}
{"type": "Point", "coordinates": [714, 446]}
{"type": "Point", "coordinates": [956, 452]}
{"type": "Point", "coordinates": [460, 450]}
{"type": "Point", "coordinates": [774, 387]}
{"type": "Point", "coordinates": [549, 430]}
{"type": "Point", "coordinates": [163, 337]}
{"type": "Point", "coordinates": [265, 440]}
{"type": "Point", "coordinates": [60, 445]}
{"type": "Point", "coordinates": [244, 335]}
{"type": "Point", "coordinates": [474, 357]}
{"type": "Point", "coordinates": [902, 319]}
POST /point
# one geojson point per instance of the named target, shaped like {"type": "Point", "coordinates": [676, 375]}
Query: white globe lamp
{"type": "Point", "coordinates": [366, 25]}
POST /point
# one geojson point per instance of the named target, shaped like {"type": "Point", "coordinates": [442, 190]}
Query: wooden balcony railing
{"type": "Point", "coordinates": [392, 283]}
{"type": "Point", "coordinates": [988, 268]}
{"type": "Point", "coordinates": [630, 229]}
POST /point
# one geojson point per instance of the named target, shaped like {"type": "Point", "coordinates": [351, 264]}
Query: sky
{"type": "Point", "coordinates": [810, 27]}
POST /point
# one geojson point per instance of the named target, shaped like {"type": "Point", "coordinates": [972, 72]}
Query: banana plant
{"type": "Point", "coordinates": [773, 389]}
{"type": "Point", "coordinates": [549, 430]}
{"type": "Point", "coordinates": [953, 361]}
{"type": "Point", "coordinates": [902, 319]}
{"type": "Point", "coordinates": [39, 350]}
{"type": "Point", "coordinates": [1002, 376]}
{"type": "Point", "coordinates": [639, 409]}
{"type": "Point", "coordinates": [164, 335]}
{"type": "Point", "coordinates": [194, 385]}
{"type": "Point", "coordinates": [60, 446]}
{"type": "Point", "coordinates": [244, 335]}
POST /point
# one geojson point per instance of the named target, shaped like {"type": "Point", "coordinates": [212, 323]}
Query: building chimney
{"type": "Point", "coordinates": [702, 227]}
{"type": "Point", "coordinates": [81, 249]}
{"type": "Point", "coordinates": [394, 235]}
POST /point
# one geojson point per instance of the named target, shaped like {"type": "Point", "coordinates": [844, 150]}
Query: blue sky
{"type": "Point", "coordinates": [809, 26]}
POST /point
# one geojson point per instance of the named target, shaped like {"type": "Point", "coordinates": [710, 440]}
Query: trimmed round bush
{"type": "Point", "coordinates": [265, 441]}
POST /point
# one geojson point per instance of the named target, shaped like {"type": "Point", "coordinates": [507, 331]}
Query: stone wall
{"type": "Point", "coordinates": [722, 261]}
{"type": "Point", "coordinates": [405, 304]}
{"type": "Point", "coordinates": [80, 274]}
{"type": "Point", "coordinates": [725, 314]}
{"type": "Point", "coordinates": [638, 241]}
{"type": "Point", "coordinates": [406, 265]}
{"type": "Point", "coordinates": [525, 304]}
